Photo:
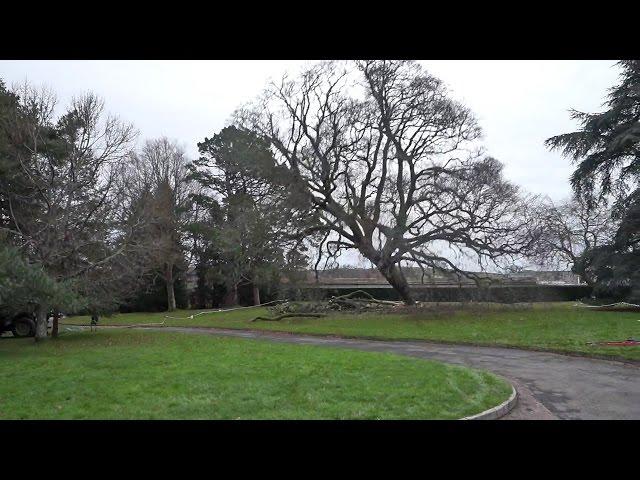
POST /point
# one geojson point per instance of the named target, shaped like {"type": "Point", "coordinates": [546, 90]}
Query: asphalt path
{"type": "Point", "coordinates": [550, 385]}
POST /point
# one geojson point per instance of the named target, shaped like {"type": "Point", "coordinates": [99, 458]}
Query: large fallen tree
{"type": "Point", "coordinates": [358, 301]}
{"type": "Point", "coordinates": [391, 165]}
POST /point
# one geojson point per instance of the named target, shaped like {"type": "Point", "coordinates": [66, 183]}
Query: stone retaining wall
{"type": "Point", "coordinates": [499, 294]}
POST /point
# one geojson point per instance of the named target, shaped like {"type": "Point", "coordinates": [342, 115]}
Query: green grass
{"type": "Point", "coordinates": [133, 374]}
{"type": "Point", "coordinates": [556, 326]}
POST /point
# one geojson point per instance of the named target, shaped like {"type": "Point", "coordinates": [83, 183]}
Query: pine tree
{"type": "Point", "coordinates": [27, 287]}
{"type": "Point", "coordinates": [607, 146]}
{"type": "Point", "coordinates": [607, 152]}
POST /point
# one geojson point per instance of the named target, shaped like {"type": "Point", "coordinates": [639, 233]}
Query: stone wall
{"type": "Point", "coordinates": [499, 294]}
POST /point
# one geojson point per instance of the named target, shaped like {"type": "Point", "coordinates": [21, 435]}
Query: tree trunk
{"type": "Point", "coordinates": [398, 281]}
{"type": "Point", "coordinates": [581, 271]}
{"type": "Point", "coordinates": [54, 328]}
{"type": "Point", "coordinates": [41, 323]}
{"type": "Point", "coordinates": [256, 295]}
{"type": "Point", "coordinates": [231, 297]}
{"type": "Point", "coordinates": [168, 278]}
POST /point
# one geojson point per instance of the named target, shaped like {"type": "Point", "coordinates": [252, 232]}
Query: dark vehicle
{"type": "Point", "coordinates": [21, 325]}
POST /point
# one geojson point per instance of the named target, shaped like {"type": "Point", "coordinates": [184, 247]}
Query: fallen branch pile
{"type": "Point", "coordinates": [358, 301]}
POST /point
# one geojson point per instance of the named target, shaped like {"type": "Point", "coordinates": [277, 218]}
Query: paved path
{"type": "Point", "coordinates": [549, 385]}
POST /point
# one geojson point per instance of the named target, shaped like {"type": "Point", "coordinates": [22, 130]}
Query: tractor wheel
{"type": "Point", "coordinates": [23, 327]}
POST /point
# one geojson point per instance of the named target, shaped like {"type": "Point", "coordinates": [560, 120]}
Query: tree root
{"type": "Point", "coordinates": [288, 315]}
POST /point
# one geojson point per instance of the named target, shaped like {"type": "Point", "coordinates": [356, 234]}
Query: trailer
{"type": "Point", "coordinates": [21, 325]}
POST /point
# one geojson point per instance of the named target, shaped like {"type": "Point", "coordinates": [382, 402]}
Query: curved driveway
{"type": "Point", "coordinates": [569, 387]}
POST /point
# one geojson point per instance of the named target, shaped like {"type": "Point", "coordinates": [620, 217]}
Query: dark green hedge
{"type": "Point", "coordinates": [504, 294]}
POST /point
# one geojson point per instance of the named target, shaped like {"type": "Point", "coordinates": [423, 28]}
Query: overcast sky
{"type": "Point", "coordinates": [519, 103]}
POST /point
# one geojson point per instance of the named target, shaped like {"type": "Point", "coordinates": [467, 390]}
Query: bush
{"type": "Point", "coordinates": [23, 286]}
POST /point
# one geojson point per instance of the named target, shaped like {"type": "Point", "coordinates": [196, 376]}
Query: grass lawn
{"type": "Point", "coordinates": [134, 374]}
{"type": "Point", "coordinates": [556, 326]}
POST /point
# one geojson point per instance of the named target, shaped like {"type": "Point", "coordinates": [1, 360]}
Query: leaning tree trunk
{"type": "Point", "coordinates": [397, 280]}
{"type": "Point", "coordinates": [41, 323]}
{"type": "Point", "coordinates": [169, 281]}
{"type": "Point", "coordinates": [256, 294]}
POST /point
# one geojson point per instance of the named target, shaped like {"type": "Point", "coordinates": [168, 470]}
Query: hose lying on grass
{"type": "Point", "coordinates": [288, 315]}
{"type": "Point", "coordinates": [159, 324]}
{"type": "Point", "coordinates": [219, 310]}
{"type": "Point", "coordinates": [612, 306]}
{"type": "Point", "coordinates": [629, 342]}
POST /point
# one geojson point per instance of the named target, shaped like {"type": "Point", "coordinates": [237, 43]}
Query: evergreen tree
{"type": "Point", "coordinates": [57, 195]}
{"type": "Point", "coordinates": [607, 146]}
{"type": "Point", "coordinates": [27, 287]}
{"type": "Point", "coordinates": [606, 149]}
{"type": "Point", "coordinates": [252, 212]}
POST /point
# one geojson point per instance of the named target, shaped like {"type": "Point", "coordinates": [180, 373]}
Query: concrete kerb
{"type": "Point", "coordinates": [499, 410]}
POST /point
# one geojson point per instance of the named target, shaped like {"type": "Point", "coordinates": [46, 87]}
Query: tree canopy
{"type": "Point", "coordinates": [606, 150]}
{"type": "Point", "coordinates": [249, 234]}
{"type": "Point", "coordinates": [24, 286]}
{"type": "Point", "coordinates": [391, 164]}
{"type": "Point", "coordinates": [58, 200]}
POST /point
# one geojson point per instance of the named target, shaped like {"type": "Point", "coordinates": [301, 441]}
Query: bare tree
{"type": "Point", "coordinates": [572, 227]}
{"type": "Point", "coordinates": [157, 185]}
{"type": "Point", "coordinates": [59, 199]}
{"type": "Point", "coordinates": [391, 165]}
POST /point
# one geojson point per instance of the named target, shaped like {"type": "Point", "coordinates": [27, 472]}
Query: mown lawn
{"type": "Point", "coordinates": [134, 374]}
{"type": "Point", "coordinates": [556, 326]}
